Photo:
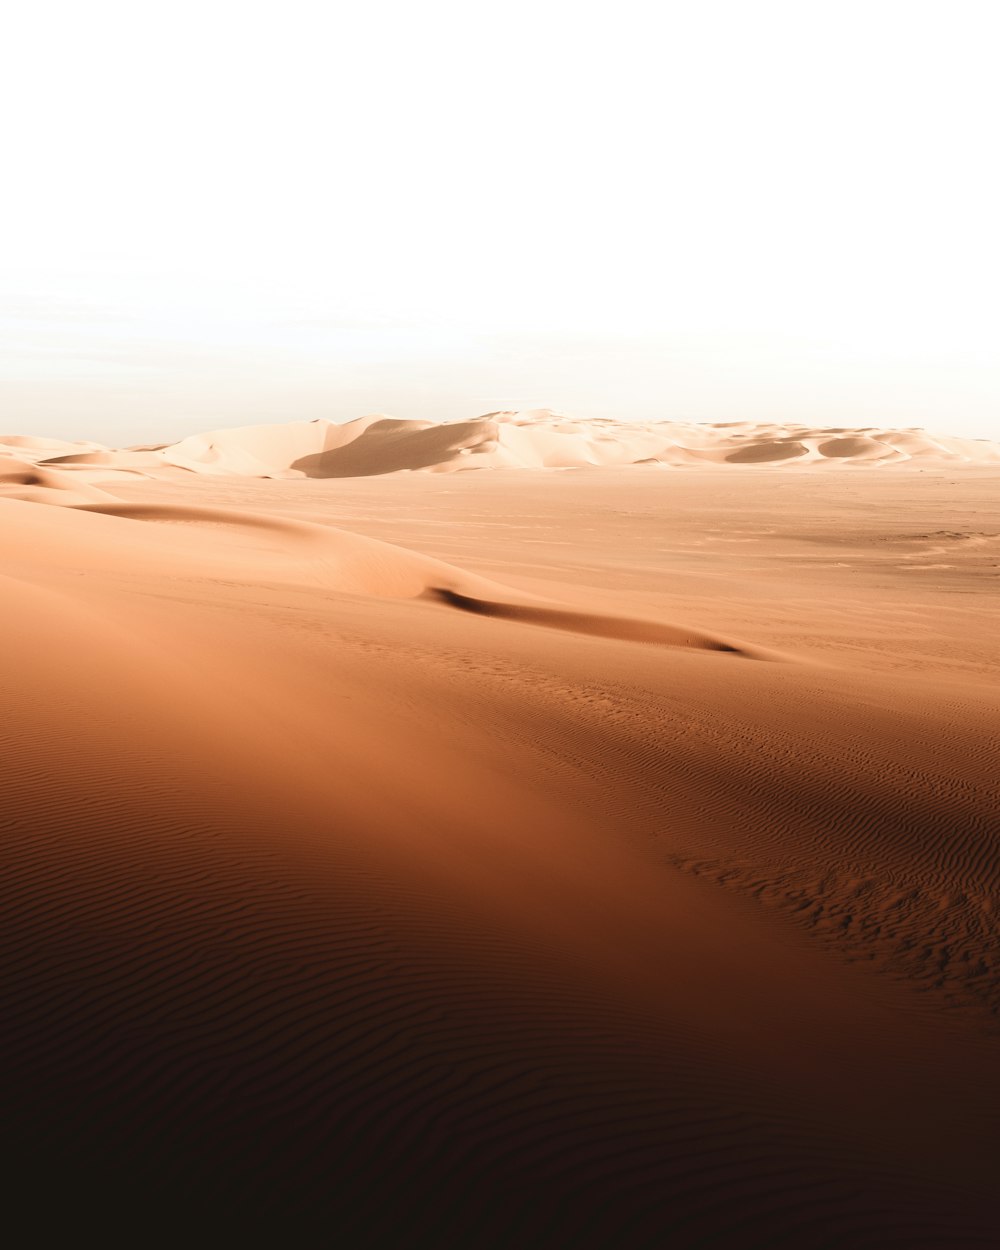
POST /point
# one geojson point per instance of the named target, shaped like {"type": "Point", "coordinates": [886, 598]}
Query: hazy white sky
{"type": "Point", "coordinates": [218, 212]}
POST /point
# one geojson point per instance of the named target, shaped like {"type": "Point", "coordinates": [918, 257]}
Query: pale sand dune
{"type": "Point", "coordinates": [362, 859]}
{"type": "Point", "coordinates": [541, 439]}
{"type": "Point", "coordinates": [28, 443]}
{"type": "Point", "coordinates": [537, 438]}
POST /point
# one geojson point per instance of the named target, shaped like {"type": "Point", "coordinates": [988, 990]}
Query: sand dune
{"type": "Point", "coordinates": [537, 438]}
{"type": "Point", "coordinates": [541, 439]}
{"type": "Point", "coordinates": [23, 479]}
{"type": "Point", "coordinates": [29, 443]}
{"type": "Point", "coordinates": [502, 859]}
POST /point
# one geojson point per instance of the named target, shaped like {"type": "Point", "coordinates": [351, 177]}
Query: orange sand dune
{"type": "Point", "coordinates": [431, 858]}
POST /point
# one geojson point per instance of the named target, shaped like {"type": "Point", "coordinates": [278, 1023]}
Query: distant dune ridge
{"type": "Point", "coordinates": [535, 438]}
{"type": "Point", "coordinates": [553, 860]}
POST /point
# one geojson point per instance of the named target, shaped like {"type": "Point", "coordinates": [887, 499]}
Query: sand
{"type": "Point", "coordinates": [556, 857]}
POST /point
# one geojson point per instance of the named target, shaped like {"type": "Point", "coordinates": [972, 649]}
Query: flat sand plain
{"type": "Point", "coordinates": [529, 858]}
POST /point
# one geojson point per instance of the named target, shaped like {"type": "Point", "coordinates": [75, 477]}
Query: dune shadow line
{"type": "Point", "coordinates": [593, 624]}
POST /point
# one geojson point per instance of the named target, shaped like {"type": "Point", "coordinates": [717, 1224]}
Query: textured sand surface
{"type": "Point", "coordinates": [541, 859]}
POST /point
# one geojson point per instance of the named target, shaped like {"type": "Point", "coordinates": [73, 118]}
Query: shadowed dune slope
{"type": "Point", "coordinates": [338, 883]}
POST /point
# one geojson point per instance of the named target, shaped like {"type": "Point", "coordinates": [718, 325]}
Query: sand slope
{"type": "Point", "coordinates": [478, 862]}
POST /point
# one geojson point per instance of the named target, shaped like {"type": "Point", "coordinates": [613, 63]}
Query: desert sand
{"type": "Point", "coordinates": [598, 848]}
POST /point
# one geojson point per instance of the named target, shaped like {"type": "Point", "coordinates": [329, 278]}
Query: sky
{"type": "Point", "coordinates": [220, 213]}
